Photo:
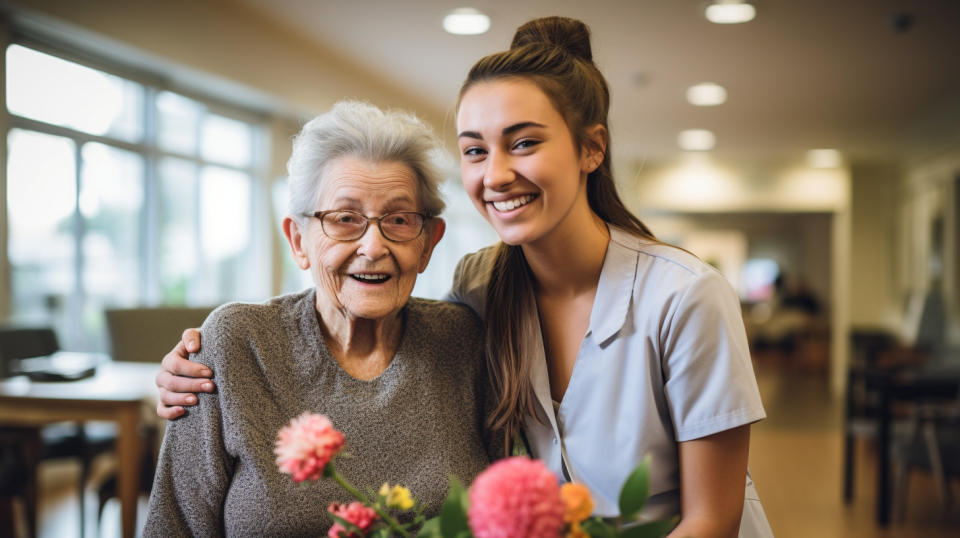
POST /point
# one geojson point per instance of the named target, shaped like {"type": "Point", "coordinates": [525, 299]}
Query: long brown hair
{"type": "Point", "coordinates": [555, 54]}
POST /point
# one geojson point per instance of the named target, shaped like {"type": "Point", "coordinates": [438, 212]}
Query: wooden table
{"type": "Point", "coordinates": [118, 392]}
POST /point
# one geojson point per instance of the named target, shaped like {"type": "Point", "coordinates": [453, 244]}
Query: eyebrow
{"type": "Point", "coordinates": [349, 201]}
{"type": "Point", "coordinates": [506, 130]}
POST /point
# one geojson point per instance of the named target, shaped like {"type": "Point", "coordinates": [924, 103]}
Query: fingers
{"type": "Point", "coordinates": [191, 340]}
{"type": "Point", "coordinates": [176, 362]}
{"type": "Point", "coordinates": [169, 413]}
{"type": "Point", "coordinates": [182, 386]}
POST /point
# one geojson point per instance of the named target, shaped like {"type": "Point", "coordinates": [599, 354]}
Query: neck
{"type": "Point", "coordinates": [363, 347]}
{"type": "Point", "coordinates": [568, 260]}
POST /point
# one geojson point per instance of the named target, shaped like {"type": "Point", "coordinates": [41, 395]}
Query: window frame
{"type": "Point", "coordinates": [148, 255]}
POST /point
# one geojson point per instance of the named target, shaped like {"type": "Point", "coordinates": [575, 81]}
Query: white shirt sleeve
{"type": "Point", "coordinates": [709, 380]}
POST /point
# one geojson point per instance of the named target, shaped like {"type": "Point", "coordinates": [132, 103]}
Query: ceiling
{"type": "Point", "coordinates": [802, 75]}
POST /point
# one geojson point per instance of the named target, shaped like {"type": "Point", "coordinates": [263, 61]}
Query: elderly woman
{"type": "Point", "coordinates": [400, 377]}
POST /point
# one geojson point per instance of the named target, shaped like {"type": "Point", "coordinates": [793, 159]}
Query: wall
{"type": "Point", "coordinates": [875, 301]}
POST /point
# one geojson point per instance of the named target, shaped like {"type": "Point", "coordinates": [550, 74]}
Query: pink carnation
{"type": "Point", "coordinates": [306, 445]}
{"type": "Point", "coordinates": [516, 498]}
{"type": "Point", "coordinates": [355, 513]}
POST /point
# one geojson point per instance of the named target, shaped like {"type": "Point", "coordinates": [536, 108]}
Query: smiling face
{"type": "Point", "coordinates": [370, 277]}
{"type": "Point", "coordinates": [519, 162]}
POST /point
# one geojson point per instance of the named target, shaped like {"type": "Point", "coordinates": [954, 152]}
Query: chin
{"type": "Point", "coordinates": [515, 235]}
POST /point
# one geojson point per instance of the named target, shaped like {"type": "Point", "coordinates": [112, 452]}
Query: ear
{"type": "Point", "coordinates": [434, 230]}
{"type": "Point", "coordinates": [594, 148]}
{"type": "Point", "coordinates": [294, 235]}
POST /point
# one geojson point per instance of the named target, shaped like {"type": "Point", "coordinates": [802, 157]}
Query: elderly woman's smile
{"type": "Point", "coordinates": [367, 240]}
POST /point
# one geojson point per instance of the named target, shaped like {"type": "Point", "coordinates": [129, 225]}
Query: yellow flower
{"type": "Point", "coordinates": [577, 503]}
{"type": "Point", "coordinates": [397, 496]}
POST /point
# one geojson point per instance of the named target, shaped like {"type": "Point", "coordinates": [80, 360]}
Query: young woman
{"type": "Point", "coordinates": [602, 343]}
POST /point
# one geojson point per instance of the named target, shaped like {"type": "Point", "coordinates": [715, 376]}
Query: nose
{"type": "Point", "coordinates": [499, 172]}
{"type": "Point", "coordinates": [372, 244]}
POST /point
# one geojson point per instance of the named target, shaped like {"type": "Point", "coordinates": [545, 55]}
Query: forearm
{"type": "Point", "coordinates": [699, 527]}
{"type": "Point", "coordinates": [713, 473]}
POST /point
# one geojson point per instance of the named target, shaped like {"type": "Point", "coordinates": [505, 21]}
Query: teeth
{"type": "Point", "coordinates": [509, 205]}
{"type": "Point", "coordinates": [371, 278]}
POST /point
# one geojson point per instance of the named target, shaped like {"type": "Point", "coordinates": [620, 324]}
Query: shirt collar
{"type": "Point", "coordinates": [615, 289]}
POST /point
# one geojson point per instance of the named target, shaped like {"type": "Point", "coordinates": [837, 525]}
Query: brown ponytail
{"type": "Point", "coordinates": [555, 54]}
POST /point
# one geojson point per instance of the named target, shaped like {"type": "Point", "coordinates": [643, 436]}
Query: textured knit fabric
{"type": "Point", "coordinates": [416, 424]}
{"type": "Point", "coordinates": [664, 360]}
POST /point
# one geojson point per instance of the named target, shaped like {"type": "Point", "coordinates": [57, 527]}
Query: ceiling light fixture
{"type": "Point", "coordinates": [730, 12]}
{"type": "Point", "coordinates": [466, 21]}
{"type": "Point", "coordinates": [824, 158]}
{"type": "Point", "coordinates": [706, 94]}
{"type": "Point", "coordinates": [696, 140]}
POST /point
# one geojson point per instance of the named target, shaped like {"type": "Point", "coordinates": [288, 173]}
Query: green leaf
{"type": "Point", "coordinates": [634, 492]}
{"type": "Point", "coordinates": [453, 514]}
{"type": "Point", "coordinates": [430, 528]}
{"type": "Point", "coordinates": [328, 470]}
{"type": "Point", "coordinates": [653, 529]}
{"type": "Point", "coordinates": [597, 528]}
{"type": "Point", "coordinates": [382, 532]}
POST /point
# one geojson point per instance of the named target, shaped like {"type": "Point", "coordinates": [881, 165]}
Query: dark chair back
{"type": "Point", "coordinates": [24, 342]}
{"type": "Point", "coordinates": [147, 334]}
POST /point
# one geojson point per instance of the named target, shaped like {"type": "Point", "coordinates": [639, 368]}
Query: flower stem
{"type": "Point", "coordinates": [390, 521]}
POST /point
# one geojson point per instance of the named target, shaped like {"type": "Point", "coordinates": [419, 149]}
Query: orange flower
{"type": "Point", "coordinates": [577, 503]}
{"type": "Point", "coordinates": [576, 532]}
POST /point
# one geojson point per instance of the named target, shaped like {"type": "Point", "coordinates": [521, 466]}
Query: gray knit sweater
{"type": "Point", "coordinates": [417, 424]}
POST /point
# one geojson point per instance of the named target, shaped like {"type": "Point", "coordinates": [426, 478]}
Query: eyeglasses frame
{"type": "Point", "coordinates": [366, 223]}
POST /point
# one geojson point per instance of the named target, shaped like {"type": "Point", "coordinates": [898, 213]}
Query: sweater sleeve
{"type": "Point", "coordinates": [194, 469]}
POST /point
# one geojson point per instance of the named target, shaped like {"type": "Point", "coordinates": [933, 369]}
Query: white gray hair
{"type": "Point", "coordinates": [357, 129]}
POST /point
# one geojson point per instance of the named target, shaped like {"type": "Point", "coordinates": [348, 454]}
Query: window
{"type": "Point", "coordinates": [121, 193]}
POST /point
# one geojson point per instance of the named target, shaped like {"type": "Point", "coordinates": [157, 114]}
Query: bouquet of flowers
{"type": "Point", "coordinates": [515, 497]}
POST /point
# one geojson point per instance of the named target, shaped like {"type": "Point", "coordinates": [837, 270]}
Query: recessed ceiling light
{"type": "Point", "coordinates": [730, 12]}
{"type": "Point", "coordinates": [696, 140]}
{"type": "Point", "coordinates": [824, 158]}
{"type": "Point", "coordinates": [466, 21]}
{"type": "Point", "coordinates": [706, 94]}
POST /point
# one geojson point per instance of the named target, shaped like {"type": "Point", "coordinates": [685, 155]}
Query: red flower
{"type": "Point", "coordinates": [355, 513]}
{"type": "Point", "coordinates": [516, 498]}
{"type": "Point", "coordinates": [306, 445]}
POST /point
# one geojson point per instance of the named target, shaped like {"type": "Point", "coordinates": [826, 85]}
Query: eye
{"type": "Point", "coordinates": [525, 143]}
{"type": "Point", "coordinates": [473, 151]}
{"type": "Point", "coordinates": [345, 217]}
{"type": "Point", "coordinates": [398, 219]}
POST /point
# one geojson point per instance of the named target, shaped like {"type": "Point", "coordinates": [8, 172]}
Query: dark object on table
{"type": "Point", "coordinates": [60, 366]}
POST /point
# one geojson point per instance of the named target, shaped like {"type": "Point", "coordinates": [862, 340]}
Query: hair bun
{"type": "Point", "coordinates": [571, 35]}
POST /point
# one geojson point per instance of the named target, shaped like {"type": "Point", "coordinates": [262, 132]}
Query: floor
{"type": "Point", "coordinates": [796, 462]}
{"type": "Point", "coordinates": [795, 459]}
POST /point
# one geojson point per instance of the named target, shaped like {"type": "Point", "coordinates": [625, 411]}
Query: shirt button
{"type": "Point", "coordinates": [555, 441]}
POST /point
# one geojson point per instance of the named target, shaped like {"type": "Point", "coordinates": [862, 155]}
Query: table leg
{"type": "Point", "coordinates": [128, 462]}
{"type": "Point", "coordinates": [883, 458]}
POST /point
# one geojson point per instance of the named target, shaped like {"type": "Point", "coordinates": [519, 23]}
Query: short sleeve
{"type": "Point", "coordinates": [470, 280]}
{"type": "Point", "coordinates": [708, 375]}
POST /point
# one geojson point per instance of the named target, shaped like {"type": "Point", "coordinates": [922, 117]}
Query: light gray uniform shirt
{"type": "Point", "coordinates": [664, 360]}
{"type": "Point", "coordinates": [416, 424]}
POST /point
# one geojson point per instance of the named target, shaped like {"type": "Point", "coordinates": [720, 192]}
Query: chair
{"type": "Point", "coordinates": [60, 440]}
{"type": "Point", "coordinates": [932, 445]}
{"type": "Point", "coordinates": [147, 334]}
{"type": "Point", "coordinates": [19, 448]}
{"type": "Point", "coordinates": [878, 354]}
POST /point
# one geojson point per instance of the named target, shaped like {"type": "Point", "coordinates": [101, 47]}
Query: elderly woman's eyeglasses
{"type": "Point", "coordinates": [343, 225]}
